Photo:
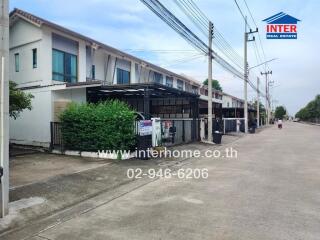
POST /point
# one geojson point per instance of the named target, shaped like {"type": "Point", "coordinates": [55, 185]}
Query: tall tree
{"type": "Point", "coordinates": [18, 100]}
{"type": "Point", "coordinates": [215, 84]}
{"type": "Point", "coordinates": [280, 112]}
{"type": "Point", "coordinates": [261, 106]}
{"type": "Point", "coordinates": [311, 111]}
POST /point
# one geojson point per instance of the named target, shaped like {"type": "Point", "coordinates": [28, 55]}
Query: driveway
{"type": "Point", "coordinates": [36, 167]}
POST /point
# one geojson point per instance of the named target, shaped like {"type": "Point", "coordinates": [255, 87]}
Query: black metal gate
{"type": "Point", "coordinates": [56, 136]}
{"type": "Point", "coordinates": [179, 131]}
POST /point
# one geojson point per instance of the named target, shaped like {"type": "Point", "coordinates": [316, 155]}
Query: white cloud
{"type": "Point", "coordinates": [126, 18]}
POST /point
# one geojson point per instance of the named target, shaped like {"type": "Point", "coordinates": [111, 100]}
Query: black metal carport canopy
{"type": "Point", "coordinates": [139, 90]}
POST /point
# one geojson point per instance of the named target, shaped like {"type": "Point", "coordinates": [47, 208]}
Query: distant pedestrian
{"type": "Point", "coordinates": [280, 124]}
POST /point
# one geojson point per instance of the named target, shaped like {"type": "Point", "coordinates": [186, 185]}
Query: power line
{"type": "Point", "coordinates": [253, 20]}
{"type": "Point", "coordinates": [192, 15]}
{"type": "Point", "coordinates": [186, 33]}
{"type": "Point", "coordinates": [244, 18]}
{"type": "Point", "coordinates": [197, 9]}
{"type": "Point", "coordinates": [184, 60]}
{"type": "Point", "coordinates": [227, 47]}
{"type": "Point", "coordinates": [175, 24]}
{"type": "Point", "coordinates": [257, 54]}
{"type": "Point", "coordinates": [218, 36]}
{"type": "Point", "coordinates": [250, 13]}
{"type": "Point", "coordinates": [197, 14]}
{"type": "Point", "coordinates": [199, 19]}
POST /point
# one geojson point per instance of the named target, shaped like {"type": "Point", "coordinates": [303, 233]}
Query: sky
{"type": "Point", "coordinates": [130, 26]}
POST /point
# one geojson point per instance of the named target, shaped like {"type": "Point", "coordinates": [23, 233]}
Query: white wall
{"type": "Point", "coordinates": [27, 75]}
{"type": "Point", "coordinates": [139, 73]}
{"type": "Point", "coordinates": [23, 38]}
{"type": "Point", "coordinates": [82, 64]}
{"type": "Point", "coordinates": [225, 100]}
{"type": "Point", "coordinates": [99, 59]}
{"type": "Point", "coordinates": [22, 32]}
{"type": "Point", "coordinates": [26, 36]}
{"type": "Point", "coordinates": [73, 95]}
{"type": "Point", "coordinates": [33, 127]}
{"type": "Point", "coordinates": [102, 60]}
{"type": "Point", "coordinates": [89, 62]}
{"type": "Point", "coordinates": [45, 60]}
{"type": "Point", "coordinates": [64, 44]}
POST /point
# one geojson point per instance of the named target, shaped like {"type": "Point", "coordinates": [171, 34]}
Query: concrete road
{"type": "Point", "coordinates": [270, 191]}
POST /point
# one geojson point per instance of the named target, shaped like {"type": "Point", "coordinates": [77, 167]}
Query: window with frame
{"type": "Point", "coordinates": [123, 76]}
{"type": "Point", "coordinates": [17, 62]}
{"type": "Point", "coordinates": [93, 71]}
{"type": "Point", "coordinates": [188, 87]}
{"type": "Point", "coordinates": [34, 58]}
{"type": "Point", "coordinates": [169, 81]}
{"type": "Point", "coordinates": [64, 66]}
{"type": "Point", "coordinates": [158, 77]}
{"type": "Point", "coordinates": [194, 90]}
{"type": "Point", "coordinates": [180, 84]}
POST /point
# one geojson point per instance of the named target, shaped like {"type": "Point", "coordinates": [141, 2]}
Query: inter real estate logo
{"type": "Point", "coordinates": [281, 26]}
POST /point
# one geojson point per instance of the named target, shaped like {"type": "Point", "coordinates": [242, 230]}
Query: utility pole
{"type": "Point", "coordinates": [270, 83]}
{"type": "Point", "coordinates": [4, 109]}
{"type": "Point", "coordinates": [210, 82]}
{"type": "Point", "coordinates": [246, 72]}
{"type": "Point", "coordinates": [267, 96]}
{"type": "Point", "coordinates": [258, 103]}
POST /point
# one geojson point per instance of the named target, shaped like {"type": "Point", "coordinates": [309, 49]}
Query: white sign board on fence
{"type": "Point", "coordinates": [145, 127]}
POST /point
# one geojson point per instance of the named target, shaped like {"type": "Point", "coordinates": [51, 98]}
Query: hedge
{"type": "Point", "coordinates": [103, 126]}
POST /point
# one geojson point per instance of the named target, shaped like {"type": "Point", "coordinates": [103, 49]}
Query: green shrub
{"type": "Point", "coordinates": [103, 126]}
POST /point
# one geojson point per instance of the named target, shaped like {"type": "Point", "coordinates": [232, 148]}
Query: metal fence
{"type": "Point", "coordinates": [56, 136]}
{"type": "Point", "coordinates": [230, 125]}
{"type": "Point", "coordinates": [178, 131]}
{"type": "Point", "coordinates": [173, 132]}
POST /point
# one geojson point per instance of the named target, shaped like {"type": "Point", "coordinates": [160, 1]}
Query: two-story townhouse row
{"type": "Point", "coordinates": [233, 107]}
{"type": "Point", "coordinates": [58, 66]}
{"type": "Point", "coordinates": [230, 101]}
{"type": "Point", "coordinates": [216, 102]}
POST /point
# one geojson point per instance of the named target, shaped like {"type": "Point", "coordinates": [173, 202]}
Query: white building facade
{"type": "Point", "coordinates": [58, 66]}
{"type": "Point", "coordinates": [229, 101]}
